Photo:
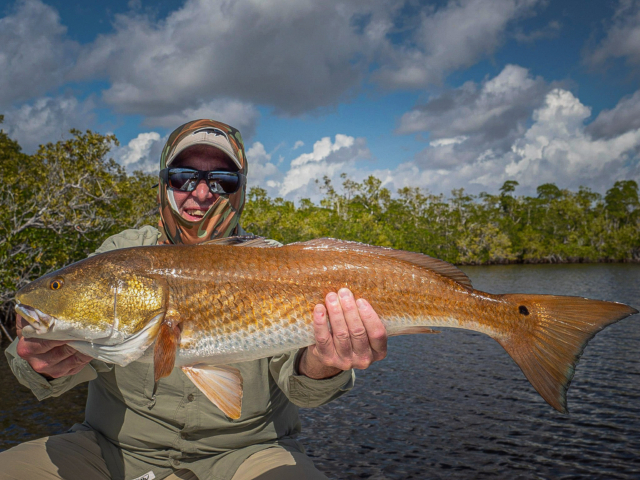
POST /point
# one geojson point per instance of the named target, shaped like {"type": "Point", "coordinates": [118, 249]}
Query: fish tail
{"type": "Point", "coordinates": [548, 346]}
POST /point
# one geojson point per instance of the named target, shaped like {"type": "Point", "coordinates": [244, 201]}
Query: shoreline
{"type": "Point", "coordinates": [547, 261]}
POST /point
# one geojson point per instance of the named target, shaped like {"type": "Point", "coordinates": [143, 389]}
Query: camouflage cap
{"type": "Point", "coordinates": [212, 136]}
{"type": "Point", "coordinates": [207, 132]}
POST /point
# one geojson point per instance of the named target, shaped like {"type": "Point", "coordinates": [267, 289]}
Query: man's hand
{"type": "Point", "coordinates": [50, 358]}
{"type": "Point", "coordinates": [357, 337]}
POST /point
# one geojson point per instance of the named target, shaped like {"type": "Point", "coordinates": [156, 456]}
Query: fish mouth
{"type": "Point", "coordinates": [39, 322]}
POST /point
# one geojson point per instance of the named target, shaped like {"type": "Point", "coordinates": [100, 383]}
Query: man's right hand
{"type": "Point", "coordinates": [50, 358]}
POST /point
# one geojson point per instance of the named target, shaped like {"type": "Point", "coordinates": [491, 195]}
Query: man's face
{"type": "Point", "coordinates": [193, 205]}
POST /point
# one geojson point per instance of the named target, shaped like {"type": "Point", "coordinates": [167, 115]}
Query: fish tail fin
{"type": "Point", "coordinates": [549, 345]}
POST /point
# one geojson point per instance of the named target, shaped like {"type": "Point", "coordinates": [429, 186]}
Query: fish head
{"type": "Point", "coordinates": [103, 299]}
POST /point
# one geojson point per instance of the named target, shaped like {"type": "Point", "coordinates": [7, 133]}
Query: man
{"type": "Point", "coordinates": [131, 433]}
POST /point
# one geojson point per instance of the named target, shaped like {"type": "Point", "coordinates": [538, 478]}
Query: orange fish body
{"type": "Point", "coordinates": [217, 303]}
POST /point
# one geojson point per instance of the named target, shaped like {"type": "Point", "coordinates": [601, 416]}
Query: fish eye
{"type": "Point", "coordinates": [57, 284]}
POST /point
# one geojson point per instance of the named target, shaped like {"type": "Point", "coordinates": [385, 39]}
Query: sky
{"type": "Point", "coordinates": [433, 94]}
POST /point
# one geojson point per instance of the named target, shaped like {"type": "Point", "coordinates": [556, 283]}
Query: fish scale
{"type": "Point", "coordinates": [291, 326]}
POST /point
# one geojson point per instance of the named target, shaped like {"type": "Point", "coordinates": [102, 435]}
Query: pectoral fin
{"type": "Point", "coordinates": [164, 353]}
{"type": "Point", "coordinates": [221, 384]}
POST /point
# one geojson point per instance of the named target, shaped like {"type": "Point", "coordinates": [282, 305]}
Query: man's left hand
{"type": "Point", "coordinates": [357, 337]}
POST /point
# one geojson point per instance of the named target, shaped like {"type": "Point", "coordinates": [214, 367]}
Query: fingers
{"type": "Point", "coordinates": [46, 362]}
{"type": "Point", "coordinates": [360, 350]}
{"type": "Point", "coordinates": [68, 366]}
{"type": "Point", "coordinates": [348, 334]}
{"type": "Point", "coordinates": [28, 347]}
{"type": "Point", "coordinates": [324, 341]}
{"type": "Point", "coordinates": [376, 332]}
{"type": "Point", "coordinates": [52, 358]}
{"type": "Point", "coordinates": [339, 328]}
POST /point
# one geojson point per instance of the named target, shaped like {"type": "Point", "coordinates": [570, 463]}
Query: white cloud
{"type": "Point", "coordinates": [241, 115]}
{"type": "Point", "coordinates": [492, 108]}
{"type": "Point", "coordinates": [141, 153]}
{"type": "Point", "coordinates": [621, 119]}
{"type": "Point", "coordinates": [552, 145]}
{"type": "Point", "coordinates": [47, 119]}
{"type": "Point", "coordinates": [35, 54]}
{"type": "Point", "coordinates": [622, 39]}
{"type": "Point", "coordinates": [476, 118]}
{"type": "Point", "coordinates": [443, 142]}
{"type": "Point", "coordinates": [295, 56]}
{"type": "Point", "coordinates": [556, 147]}
{"type": "Point", "coordinates": [454, 36]}
{"type": "Point", "coordinates": [262, 173]}
{"type": "Point", "coordinates": [298, 144]}
{"type": "Point", "coordinates": [327, 159]}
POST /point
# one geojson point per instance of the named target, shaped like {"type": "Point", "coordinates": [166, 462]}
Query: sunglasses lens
{"type": "Point", "coordinates": [183, 180]}
{"type": "Point", "coordinates": [222, 182]}
{"type": "Point", "coordinates": [219, 182]}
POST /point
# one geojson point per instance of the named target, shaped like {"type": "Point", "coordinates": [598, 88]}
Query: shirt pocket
{"type": "Point", "coordinates": [259, 390]}
{"type": "Point", "coordinates": [135, 383]}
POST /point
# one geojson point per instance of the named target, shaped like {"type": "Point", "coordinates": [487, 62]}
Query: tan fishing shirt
{"type": "Point", "coordinates": [179, 427]}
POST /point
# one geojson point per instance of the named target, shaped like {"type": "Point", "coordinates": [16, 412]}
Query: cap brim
{"type": "Point", "coordinates": [202, 138]}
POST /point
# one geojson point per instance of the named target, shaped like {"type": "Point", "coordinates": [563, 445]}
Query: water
{"type": "Point", "coordinates": [454, 405]}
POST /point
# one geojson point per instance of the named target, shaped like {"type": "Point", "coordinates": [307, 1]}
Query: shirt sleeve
{"type": "Point", "coordinates": [304, 391]}
{"type": "Point", "coordinates": [40, 386]}
{"type": "Point", "coordinates": [133, 237]}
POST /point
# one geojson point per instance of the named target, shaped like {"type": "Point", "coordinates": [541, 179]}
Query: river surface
{"type": "Point", "coordinates": [455, 405]}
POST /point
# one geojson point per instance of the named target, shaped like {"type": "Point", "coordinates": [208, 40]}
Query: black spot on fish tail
{"type": "Point", "coordinates": [523, 310]}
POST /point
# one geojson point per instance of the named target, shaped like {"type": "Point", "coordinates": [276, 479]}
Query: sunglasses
{"type": "Point", "coordinates": [187, 179]}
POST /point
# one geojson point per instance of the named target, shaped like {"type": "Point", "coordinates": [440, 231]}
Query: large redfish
{"type": "Point", "coordinates": [209, 305]}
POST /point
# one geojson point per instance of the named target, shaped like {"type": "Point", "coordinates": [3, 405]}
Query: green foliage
{"type": "Point", "coordinates": [622, 201]}
{"type": "Point", "coordinates": [555, 226]}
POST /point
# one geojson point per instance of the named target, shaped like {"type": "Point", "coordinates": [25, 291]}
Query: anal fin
{"type": "Point", "coordinates": [221, 384]}
{"type": "Point", "coordinates": [412, 331]}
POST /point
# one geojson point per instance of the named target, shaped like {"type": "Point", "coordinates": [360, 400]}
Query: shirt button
{"type": "Point", "coordinates": [184, 435]}
{"type": "Point", "coordinates": [175, 462]}
{"type": "Point", "coordinates": [191, 397]}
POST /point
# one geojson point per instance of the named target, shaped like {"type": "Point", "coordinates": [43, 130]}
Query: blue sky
{"type": "Point", "coordinates": [438, 95]}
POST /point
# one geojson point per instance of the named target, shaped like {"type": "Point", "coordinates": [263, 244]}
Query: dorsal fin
{"type": "Point", "coordinates": [243, 241]}
{"type": "Point", "coordinates": [439, 266]}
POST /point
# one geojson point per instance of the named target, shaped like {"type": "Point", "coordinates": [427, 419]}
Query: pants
{"type": "Point", "coordinates": [32, 461]}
